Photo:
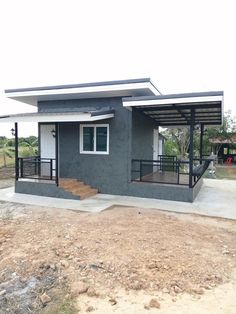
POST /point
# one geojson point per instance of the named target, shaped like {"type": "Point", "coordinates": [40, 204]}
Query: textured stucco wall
{"type": "Point", "coordinates": [76, 104]}
{"type": "Point", "coordinates": [142, 136]}
{"type": "Point", "coordinates": [43, 189]}
{"type": "Point", "coordinates": [109, 173]}
{"type": "Point", "coordinates": [131, 137]}
{"type": "Point", "coordinates": [161, 191]}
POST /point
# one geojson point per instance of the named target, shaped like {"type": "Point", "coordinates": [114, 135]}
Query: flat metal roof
{"type": "Point", "coordinates": [120, 88]}
{"type": "Point", "coordinates": [180, 109]}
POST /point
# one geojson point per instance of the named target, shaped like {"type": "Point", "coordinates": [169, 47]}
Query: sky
{"type": "Point", "coordinates": [183, 46]}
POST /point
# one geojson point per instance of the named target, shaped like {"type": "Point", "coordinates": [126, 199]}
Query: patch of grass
{"type": "Point", "coordinates": [66, 306]}
{"type": "Point", "coordinates": [226, 173]}
{"type": "Point", "coordinates": [223, 173]}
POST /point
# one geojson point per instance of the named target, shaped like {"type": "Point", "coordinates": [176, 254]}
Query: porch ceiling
{"type": "Point", "coordinates": [87, 116]}
{"type": "Point", "coordinates": [177, 109]}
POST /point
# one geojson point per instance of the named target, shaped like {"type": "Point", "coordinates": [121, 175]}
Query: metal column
{"type": "Point", "coordinates": [192, 122]}
{"type": "Point", "coordinates": [57, 153]}
{"type": "Point", "coordinates": [201, 142]}
{"type": "Point", "coordinates": [16, 152]}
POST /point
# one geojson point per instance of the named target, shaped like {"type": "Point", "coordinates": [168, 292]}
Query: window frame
{"type": "Point", "coordinates": [94, 151]}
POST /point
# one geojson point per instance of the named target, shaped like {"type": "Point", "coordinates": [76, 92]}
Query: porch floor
{"type": "Point", "coordinates": [166, 177]}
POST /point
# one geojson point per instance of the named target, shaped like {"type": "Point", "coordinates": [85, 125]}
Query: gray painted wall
{"type": "Point", "coordinates": [131, 137]}
{"type": "Point", "coordinates": [142, 142]}
{"type": "Point", "coordinates": [43, 189]}
{"type": "Point", "coordinates": [77, 104]}
{"type": "Point", "coordinates": [142, 136]}
{"type": "Point", "coordinates": [109, 173]}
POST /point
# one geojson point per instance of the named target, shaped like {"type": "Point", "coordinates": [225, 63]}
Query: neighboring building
{"type": "Point", "coordinates": [103, 137]}
{"type": "Point", "coordinates": [225, 148]}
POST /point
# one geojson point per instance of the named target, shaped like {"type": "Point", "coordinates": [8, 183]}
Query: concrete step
{"type": "Point", "coordinates": [66, 180]}
{"type": "Point", "coordinates": [71, 184]}
{"type": "Point", "coordinates": [77, 188]}
{"type": "Point", "coordinates": [87, 194]}
{"type": "Point", "coordinates": [83, 191]}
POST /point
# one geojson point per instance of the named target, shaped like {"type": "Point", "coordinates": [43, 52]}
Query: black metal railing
{"type": "Point", "coordinates": [169, 170]}
{"type": "Point", "coordinates": [37, 168]}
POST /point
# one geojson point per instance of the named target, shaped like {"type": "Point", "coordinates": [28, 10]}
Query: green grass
{"type": "Point", "coordinates": [23, 152]}
{"type": "Point", "coordinates": [223, 172]}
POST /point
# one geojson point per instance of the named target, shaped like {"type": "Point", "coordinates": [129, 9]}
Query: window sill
{"type": "Point", "coordinates": [94, 153]}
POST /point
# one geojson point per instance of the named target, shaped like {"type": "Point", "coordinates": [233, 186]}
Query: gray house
{"type": "Point", "coordinates": [104, 138]}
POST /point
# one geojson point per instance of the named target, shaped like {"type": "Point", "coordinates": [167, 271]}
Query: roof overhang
{"type": "Point", "coordinates": [124, 88]}
{"type": "Point", "coordinates": [59, 117]}
{"type": "Point", "coordinates": [180, 109]}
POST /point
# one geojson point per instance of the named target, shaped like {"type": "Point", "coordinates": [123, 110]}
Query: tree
{"type": "Point", "coordinates": [222, 132]}
{"type": "Point", "coordinates": [177, 142]}
{"type": "Point", "coordinates": [6, 151]}
{"type": "Point", "coordinates": [30, 146]}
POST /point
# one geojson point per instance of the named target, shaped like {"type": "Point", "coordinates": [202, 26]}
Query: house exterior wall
{"type": "Point", "coordinates": [109, 173]}
{"type": "Point", "coordinates": [130, 137]}
{"type": "Point", "coordinates": [142, 136]}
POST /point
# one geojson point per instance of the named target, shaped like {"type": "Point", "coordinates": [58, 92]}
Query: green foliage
{"type": "Point", "coordinates": [6, 152]}
{"type": "Point", "coordinates": [222, 132]}
{"type": "Point", "coordinates": [177, 142]}
{"type": "Point", "coordinates": [27, 147]}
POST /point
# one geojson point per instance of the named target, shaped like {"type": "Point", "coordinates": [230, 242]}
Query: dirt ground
{"type": "Point", "coordinates": [122, 260]}
{"type": "Point", "coordinates": [7, 172]}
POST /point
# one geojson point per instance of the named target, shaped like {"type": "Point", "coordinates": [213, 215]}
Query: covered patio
{"type": "Point", "coordinates": [195, 110]}
{"type": "Point", "coordinates": [44, 167]}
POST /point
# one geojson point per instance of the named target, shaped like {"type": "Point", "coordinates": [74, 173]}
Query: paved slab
{"type": "Point", "coordinates": [217, 198]}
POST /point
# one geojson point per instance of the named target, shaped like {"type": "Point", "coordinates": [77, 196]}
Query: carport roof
{"type": "Point", "coordinates": [180, 109]}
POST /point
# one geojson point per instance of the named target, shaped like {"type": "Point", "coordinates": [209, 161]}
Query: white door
{"type": "Point", "coordinates": [155, 149]}
{"type": "Point", "coordinates": [160, 147]}
{"type": "Point", "coordinates": [47, 149]}
{"type": "Point", "coordinates": [155, 144]}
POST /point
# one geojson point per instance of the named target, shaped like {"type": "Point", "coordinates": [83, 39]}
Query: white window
{"type": "Point", "coordinates": [94, 139]}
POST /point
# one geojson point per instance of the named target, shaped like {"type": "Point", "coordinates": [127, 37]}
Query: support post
{"type": "Point", "coordinates": [57, 153]}
{"type": "Point", "coordinates": [191, 149]}
{"type": "Point", "coordinates": [16, 153]}
{"type": "Point", "coordinates": [201, 142]}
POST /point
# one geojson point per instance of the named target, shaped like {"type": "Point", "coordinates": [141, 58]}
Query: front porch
{"type": "Point", "coordinates": [165, 178]}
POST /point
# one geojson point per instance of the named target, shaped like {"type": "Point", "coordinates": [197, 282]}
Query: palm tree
{"type": "Point", "coordinates": [31, 147]}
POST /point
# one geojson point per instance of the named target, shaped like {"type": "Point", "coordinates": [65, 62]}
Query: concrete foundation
{"type": "Point", "coordinates": [43, 189]}
{"type": "Point", "coordinates": [139, 189]}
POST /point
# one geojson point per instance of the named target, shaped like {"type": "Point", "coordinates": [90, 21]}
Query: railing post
{"type": "Point", "coordinates": [177, 168]}
{"type": "Point", "coordinates": [38, 160]}
{"type": "Point", "coordinates": [191, 148]}
{"type": "Point", "coordinates": [35, 166]}
{"type": "Point", "coordinates": [16, 153]}
{"type": "Point", "coordinates": [21, 167]}
{"type": "Point", "coordinates": [201, 142]}
{"type": "Point", "coordinates": [57, 153]}
{"type": "Point", "coordinates": [50, 169]}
